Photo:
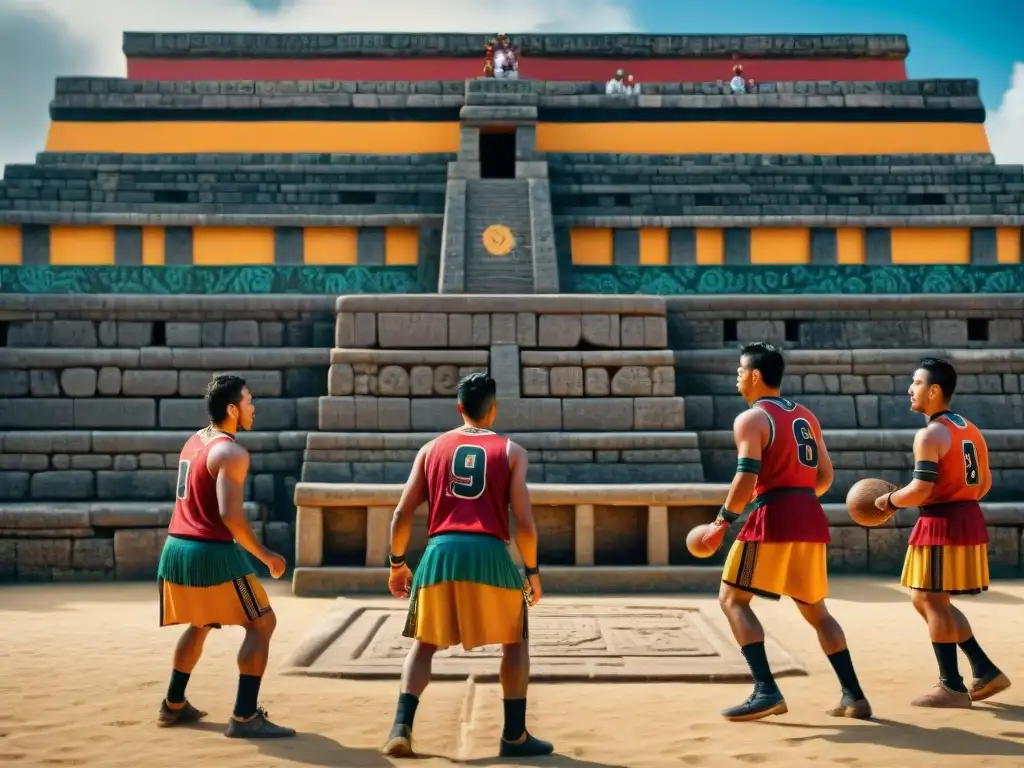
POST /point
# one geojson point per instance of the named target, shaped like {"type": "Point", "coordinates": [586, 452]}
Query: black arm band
{"type": "Point", "coordinates": [888, 501]}
{"type": "Point", "coordinates": [726, 516]}
{"type": "Point", "coordinates": [532, 571]}
{"type": "Point", "coordinates": [926, 471]}
{"type": "Point", "coordinates": [748, 466]}
{"type": "Point", "coordinates": [396, 561]}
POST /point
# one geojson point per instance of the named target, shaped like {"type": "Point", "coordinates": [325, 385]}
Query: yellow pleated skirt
{"type": "Point", "coordinates": [953, 569]}
{"type": "Point", "coordinates": [796, 569]}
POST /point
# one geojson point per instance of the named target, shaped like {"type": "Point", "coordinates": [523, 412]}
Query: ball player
{"type": "Point", "coordinates": [948, 548]}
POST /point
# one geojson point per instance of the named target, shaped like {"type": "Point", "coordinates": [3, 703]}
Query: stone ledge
{"type": "Point", "coordinates": [851, 306]}
{"type": "Point", "coordinates": [206, 45]}
{"type": "Point", "coordinates": [859, 361]}
{"type": "Point", "coordinates": [214, 162]}
{"type": "Point", "coordinates": [120, 219]}
{"type": "Point", "coordinates": [327, 495]}
{"type": "Point", "coordinates": [596, 359]}
{"type": "Point", "coordinates": [909, 219]}
{"type": "Point", "coordinates": [168, 358]}
{"type": "Point", "coordinates": [154, 441]}
{"type": "Point", "coordinates": [40, 516]}
{"type": "Point", "coordinates": [554, 304]}
{"type": "Point", "coordinates": [997, 514]}
{"type": "Point", "coordinates": [712, 163]}
{"type": "Point", "coordinates": [558, 441]}
{"type": "Point", "coordinates": [409, 357]}
{"type": "Point", "coordinates": [107, 306]}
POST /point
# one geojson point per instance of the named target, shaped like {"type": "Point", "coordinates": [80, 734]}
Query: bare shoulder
{"type": "Point", "coordinates": [934, 435]}
{"type": "Point", "coordinates": [516, 452]}
{"type": "Point", "coordinates": [426, 448]}
{"type": "Point", "coordinates": [750, 419]}
{"type": "Point", "coordinates": [228, 455]}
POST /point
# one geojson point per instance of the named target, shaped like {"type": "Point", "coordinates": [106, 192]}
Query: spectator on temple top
{"type": "Point", "coordinates": [615, 86]}
{"type": "Point", "coordinates": [738, 84]}
{"type": "Point", "coordinates": [632, 87]}
{"type": "Point", "coordinates": [489, 60]}
{"type": "Point", "coordinates": [506, 61]}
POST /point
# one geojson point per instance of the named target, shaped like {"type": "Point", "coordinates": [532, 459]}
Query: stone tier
{"type": "Point", "coordinates": [801, 186]}
{"type": "Point", "coordinates": [153, 387]}
{"type": "Point", "coordinates": [555, 457]}
{"type": "Point", "coordinates": [214, 45]}
{"type": "Point", "coordinates": [83, 98]}
{"type": "Point", "coordinates": [859, 388]}
{"type": "Point", "coordinates": [882, 453]}
{"type": "Point", "coordinates": [79, 465]}
{"type": "Point", "coordinates": [336, 185]}
{"type": "Point", "coordinates": [98, 541]}
{"type": "Point", "coordinates": [848, 321]}
{"type": "Point", "coordinates": [596, 538]}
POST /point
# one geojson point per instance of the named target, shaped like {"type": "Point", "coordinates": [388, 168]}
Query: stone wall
{"type": "Point", "coordinates": [175, 190]}
{"type": "Point", "coordinates": [687, 191]}
{"type": "Point", "coordinates": [99, 393]}
{"type": "Point", "coordinates": [86, 99]}
{"type": "Point", "coordinates": [389, 45]}
{"type": "Point", "coordinates": [589, 375]}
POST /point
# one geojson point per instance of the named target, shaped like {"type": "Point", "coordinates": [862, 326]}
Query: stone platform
{"type": "Point", "coordinates": [569, 642]}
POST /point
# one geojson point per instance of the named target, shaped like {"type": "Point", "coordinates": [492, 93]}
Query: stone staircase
{"type": "Point", "coordinates": [495, 210]}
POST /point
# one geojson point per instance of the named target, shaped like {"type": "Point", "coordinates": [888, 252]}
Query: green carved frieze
{"type": "Point", "coordinates": [211, 280]}
{"type": "Point", "coordinates": [817, 279]}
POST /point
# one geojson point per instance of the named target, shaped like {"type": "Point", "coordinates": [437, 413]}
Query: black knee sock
{"type": "Point", "coordinates": [949, 669]}
{"type": "Point", "coordinates": [406, 710]}
{"type": "Point", "coordinates": [515, 719]}
{"type": "Point", "coordinates": [843, 665]}
{"type": "Point", "coordinates": [176, 690]}
{"type": "Point", "coordinates": [757, 660]}
{"type": "Point", "coordinates": [248, 693]}
{"type": "Point", "coordinates": [981, 664]}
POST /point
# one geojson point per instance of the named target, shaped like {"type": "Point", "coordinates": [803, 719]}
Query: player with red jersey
{"type": "Point", "coordinates": [467, 590]}
{"type": "Point", "coordinates": [948, 548]}
{"type": "Point", "coordinates": [784, 467]}
{"type": "Point", "coordinates": [206, 580]}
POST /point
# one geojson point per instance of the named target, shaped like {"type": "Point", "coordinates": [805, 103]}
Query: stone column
{"type": "Point", "coordinates": [309, 537]}
{"type": "Point", "coordinates": [584, 534]}
{"type": "Point", "coordinates": [657, 536]}
{"type": "Point", "coordinates": [378, 536]}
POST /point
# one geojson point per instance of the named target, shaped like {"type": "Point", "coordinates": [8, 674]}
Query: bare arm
{"type": "Point", "coordinates": [749, 432]}
{"type": "Point", "coordinates": [522, 511]}
{"type": "Point", "coordinates": [414, 494]}
{"type": "Point", "coordinates": [930, 444]}
{"type": "Point", "coordinates": [230, 464]}
{"type": "Point", "coordinates": [826, 473]}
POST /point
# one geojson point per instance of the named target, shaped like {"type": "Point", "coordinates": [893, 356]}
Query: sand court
{"type": "Point", "coordinates": [83, 669]}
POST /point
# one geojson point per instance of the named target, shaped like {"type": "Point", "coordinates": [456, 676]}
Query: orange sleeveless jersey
{"type": "Point", "coordinates": [961, 470]}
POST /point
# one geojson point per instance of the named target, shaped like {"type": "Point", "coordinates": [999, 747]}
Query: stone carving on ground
{"type": "Point", "coordinates": [568, 641]}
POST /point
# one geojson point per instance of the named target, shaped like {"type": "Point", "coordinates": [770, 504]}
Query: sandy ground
{"type": "Point", "coordinates": [83, 669]}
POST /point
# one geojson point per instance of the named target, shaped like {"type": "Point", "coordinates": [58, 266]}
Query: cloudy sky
{"type": "Point", "coordinates": [42, 39]}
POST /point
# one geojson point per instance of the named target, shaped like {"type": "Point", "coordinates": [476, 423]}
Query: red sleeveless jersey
{"type": "Point", "coordinates": [791, 458]}
{"type": "Point", "coordinates": [196, 510]}
{"type": "Point", "coordinates": [963, 466]}
{"type": "Point", "coordinates": [788, 508]}
{"type": "Point", "coordinates": [468, 478]}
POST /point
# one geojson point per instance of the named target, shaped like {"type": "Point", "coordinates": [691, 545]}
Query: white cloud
{"type": "Point", "coordinates": [1005, 124]}
{"type": "Point", "coordinates": [44, 39]}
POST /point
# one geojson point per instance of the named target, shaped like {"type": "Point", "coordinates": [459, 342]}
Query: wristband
{"type": "Point", "coordinates": [888, 502]}
{"type": "Point", "coordinates": [727, 517]}
{"type": "Point", "coordinates": [535, 571]}
{"type": "Point", "coordinates": [396, 561]}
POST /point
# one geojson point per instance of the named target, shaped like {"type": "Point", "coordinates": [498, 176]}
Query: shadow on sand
{"type": "Point", "coordinates": [914, 738]}
{"type": "Point", "coordinates": [857, 589]}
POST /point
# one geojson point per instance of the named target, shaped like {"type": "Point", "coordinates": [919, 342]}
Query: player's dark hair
{"type": "Point", "coordinates": [942, 374]}
{"type": "Point", "coordinates": [768, 360]}
{"type": "Point", "coordinates": [477, 393]}
{"type": "Point", "coordinates": [223, 390]}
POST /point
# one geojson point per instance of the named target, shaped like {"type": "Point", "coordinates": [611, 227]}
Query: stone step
{"type": "Point", "coordinates": [328, 581]}
{"type": "Point", "coordinates": [862, 164]}
{"type": "Point", "coordinates": [58, 519]}
{"type": "Point", "coordinates": [498, 202]}
{"type": "Point", "coordinates": [291, 161]}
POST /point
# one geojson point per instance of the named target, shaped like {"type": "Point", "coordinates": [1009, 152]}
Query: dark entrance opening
{"type": "Point", "coordinates": [498, 154]}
